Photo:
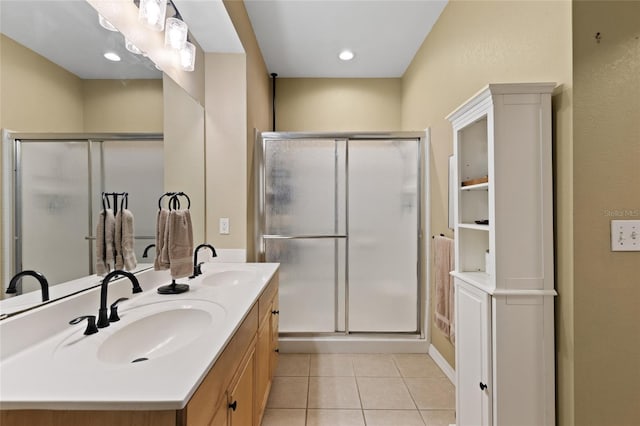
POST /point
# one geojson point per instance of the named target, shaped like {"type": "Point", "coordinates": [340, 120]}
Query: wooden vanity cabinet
{"type": "Point", "coordinates": [235, 391]}
{"type": "Point", "coordinates": [213, 393]}
{"type": "Point", "coordinates": [266, 346]}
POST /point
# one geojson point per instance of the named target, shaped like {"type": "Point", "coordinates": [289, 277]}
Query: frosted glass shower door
{"type": "Point", "coordinates": [54, 221]}
{"type": "Point", "coordinates": [383, 235]}
{"type": "Point", "coordinates": [304, 230]}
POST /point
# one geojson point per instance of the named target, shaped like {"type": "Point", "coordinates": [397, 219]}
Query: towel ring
{"type": "Point", "coordinates": [106, 204]}
{"type": "Point", "coordinates": [124, 203]}
{"type": "Point", "coordinates": [174, 202]}
{"type": "Point", "coordinates": [187, 197]}
{"type": "Point", "coordinates": [166, 194]}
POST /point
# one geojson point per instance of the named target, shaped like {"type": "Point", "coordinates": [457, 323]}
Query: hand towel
{"type": "Point", "coordinates": [161, 261]}
{"type": "Point", "coordinates": [444, 260]}
{"type": "Point", "coordinates": [452, 298]}
{"type": "Point", "coordinates": [125, 254]}
{"type": "Point", "coordinates": [105, 230]}
{"type": "Point", "coordinates": [180, 243]}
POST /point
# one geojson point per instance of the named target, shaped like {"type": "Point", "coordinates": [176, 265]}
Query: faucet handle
{"type": "Point", "coordinates": [197, 270]}
{"type": "Point", "coordinates": [113, 316]}
{"type": "Point", "coordinates": [91, 323]}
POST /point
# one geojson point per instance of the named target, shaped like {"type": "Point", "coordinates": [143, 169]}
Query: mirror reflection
{"type": "Point", "coordinates": [74, 125]}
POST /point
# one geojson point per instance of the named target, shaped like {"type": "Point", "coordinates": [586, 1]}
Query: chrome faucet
{"type": "Point", "coordinates": [103, 320]}
{"type": "Point", "coordinates": [197, 270]}
{"type": "Point", "coordinates": [44, 284]}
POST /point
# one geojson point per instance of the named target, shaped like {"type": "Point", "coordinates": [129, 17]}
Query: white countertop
{"type": "Point", "coordinates": [63, 371]}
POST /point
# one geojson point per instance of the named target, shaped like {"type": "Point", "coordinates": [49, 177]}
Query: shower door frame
{"type": "Point", "coordinates": [421, 139]}
{"type": "Point", "coordinates": [12, 187]}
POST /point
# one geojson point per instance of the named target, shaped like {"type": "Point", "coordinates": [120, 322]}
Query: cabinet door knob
{"type": "Point", "coordinates": [275, 312]}
{"type": "Point", "coordinates": [276, 350]}
{"type": "Point", "coordinates": [482, 386]}
{"type": "Point", "coordinates": [233, 405]}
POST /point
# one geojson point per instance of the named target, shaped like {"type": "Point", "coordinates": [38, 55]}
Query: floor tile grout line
{"type": "Point", "coordinates": [409, 390]}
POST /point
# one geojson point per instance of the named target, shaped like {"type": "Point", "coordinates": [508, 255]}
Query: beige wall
{"type": "Point", "coordinates": [123, 106]}
{"type": "Point", "coordinates": [472, 44]}
{"type": "Point", "coordinates": [37, 95]}
{"type": "Point", "coordinates": [226, 148]}
{"type": "Point", "coordinates": [258, 106]}
{"type": "Point", "coordinates": [338, 104]}
{"type": "Point", "coordinates": [607, 183]}
{"type": "Point", "coordinates": [184, 138]}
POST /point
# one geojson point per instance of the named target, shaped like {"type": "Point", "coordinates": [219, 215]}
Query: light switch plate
{"type": "Point", "coordinates": [224, 225]}
{"type": "Point", "coordinates": [625, 235]}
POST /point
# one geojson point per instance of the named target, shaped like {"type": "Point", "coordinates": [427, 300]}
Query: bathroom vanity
{"type": "Point", "coordinates": [204, 357]}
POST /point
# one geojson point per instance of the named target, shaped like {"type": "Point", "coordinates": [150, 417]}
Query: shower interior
{"type": "Point", "coordinates": [53, 185]}
{"type": "Point", "coordinates": [342, 214]}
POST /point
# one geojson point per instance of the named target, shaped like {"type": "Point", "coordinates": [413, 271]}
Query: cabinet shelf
{"type": "Point", "coordinates": [476, 187]}
{"type": "Point", "coordinates": [474, 226]}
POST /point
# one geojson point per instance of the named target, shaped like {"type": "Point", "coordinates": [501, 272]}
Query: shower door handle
{"type": "Point", "coordinates": [302, 237]}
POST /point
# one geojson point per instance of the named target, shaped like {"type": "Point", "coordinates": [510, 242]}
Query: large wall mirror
{"type": "Point", "coordinates": [72, 114]}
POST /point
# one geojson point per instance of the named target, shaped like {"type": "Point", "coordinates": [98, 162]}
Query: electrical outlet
{"type": "Point", "coordinates": [625, 235]}
{"type": "Point", "coordinates": [224, 225]}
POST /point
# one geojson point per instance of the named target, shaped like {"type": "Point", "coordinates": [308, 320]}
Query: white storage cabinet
{"type": "Point", "coordinates": [504, 257]}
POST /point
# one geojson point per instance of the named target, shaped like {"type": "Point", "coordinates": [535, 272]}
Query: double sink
{"type": "Point", "coordinates": [159, 338]}
{"type": "Point", "coordinates": [153, 326]}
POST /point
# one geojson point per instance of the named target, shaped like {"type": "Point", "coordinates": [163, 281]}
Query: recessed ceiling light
{"type": "Point", "coordinates": [112, 56]}
{"type": "Point", "coordinates": [346, 55]}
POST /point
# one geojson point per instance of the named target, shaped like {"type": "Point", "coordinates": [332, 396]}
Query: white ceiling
{"type": "Point", "coordinates": [298, 38]}
{"type": "Point", "coordinates": [67, 33]}
{"type": "Point", "coordinates": [302, 38]}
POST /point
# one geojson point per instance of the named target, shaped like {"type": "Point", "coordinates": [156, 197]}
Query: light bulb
{"type": "Point", "coordinates": [152, 13]}
{"type": "Point", "coordinates": [175, 35]}
{"type": "Point", "coordinates": [188, 57]}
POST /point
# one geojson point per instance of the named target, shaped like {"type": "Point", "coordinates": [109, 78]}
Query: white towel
{"type": "Point", "coordinates": [180, 243]}
{"type": "Point", "coordinates": [161, 261]}
{"type": "Point", "coordinates": [125, 253]}
{"type": "Point", "coordinates": [105, 230]}
{"type": "Point", "coordinates": [444, 289]}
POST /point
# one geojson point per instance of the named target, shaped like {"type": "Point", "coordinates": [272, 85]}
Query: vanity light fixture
{"type": "Point", "coordinates": [346, 55]}
{"type": "Point", "coordinates": [175, 34]}
{"type": "Point", "coordinates": [188, 57]}
{"type": "Point", "coordinates": [106, 24]}
{"type": "Point", "coordinates": [112, 56]}
{"type": "Point", "coordinates": [152, 13]}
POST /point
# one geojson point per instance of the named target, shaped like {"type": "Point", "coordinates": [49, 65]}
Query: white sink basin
{"type": "Point", "coordinates": [229, 278]}
{"type": "Point", "coordinates": [154, 336]}
{"type": "Point", "coordinates": [146, 332]}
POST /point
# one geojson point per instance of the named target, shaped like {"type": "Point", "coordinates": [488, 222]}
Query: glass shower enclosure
{"type": "Point", "coordinates": [341, 214]}
{"type": "Point", "coordinates": [54, 196]}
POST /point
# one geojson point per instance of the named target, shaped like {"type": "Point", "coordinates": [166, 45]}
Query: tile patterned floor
{"type": "Point", "coordinates": [359, 390]}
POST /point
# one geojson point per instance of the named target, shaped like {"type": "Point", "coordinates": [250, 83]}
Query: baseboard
{"type": "Point", "coordinates": [442, 363]}
{"type": "Point", "coordinates": [351, 345]}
